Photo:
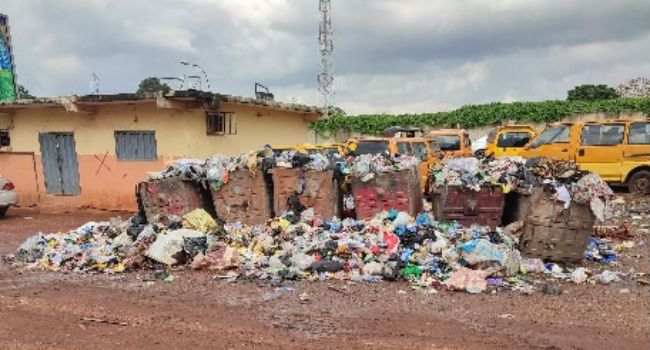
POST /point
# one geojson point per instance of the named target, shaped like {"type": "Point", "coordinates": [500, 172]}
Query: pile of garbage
{"type": "Point", "coordinates": [509, 173]}
{"type": "Point", "coordinates": [562, 179]}
{"type": "Point", "coordinates": [391, 246]}
{"type": "Point", "coordinates": [214, 171]}
{"type": "Point", "coordinates": [366, 166]}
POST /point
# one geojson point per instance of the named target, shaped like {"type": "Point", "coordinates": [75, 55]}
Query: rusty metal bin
{"type": "Point", "coordinates": [554, 234]}
{"type": "Point", "coordinates": [171, 196]}
{"type": "Point", "coordinates": [467, 206]}
{"type": "Point", "coordinates": [398, 190]}
{"type": "Point", "coordinates": [314, 189]}
{"type": "Point", "coordinates": [245, 198]}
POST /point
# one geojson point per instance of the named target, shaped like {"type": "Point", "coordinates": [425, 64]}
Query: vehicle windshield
{"type": "Point", "coordinates": [403, 148]}
{"type": "Point", "coordinates": [448, 142]}
{"type": "Point", "coordinates": [371, 147]}
{"type": "Point", "coordinates": [420, 150]}
{"type": "Point", "coordinates": [434, 147]}
{"type": "Point", "coordinates": [513, 139]}
{"type": "Point", "coordinates": [552, 134]}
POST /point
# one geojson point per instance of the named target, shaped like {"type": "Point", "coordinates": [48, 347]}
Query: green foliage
{"type": "Point", "coordinates": [472, 116]}
{"type": "Point", "coordinates": [152, 85]}
{"type": "Point", "coordinates": [591, 93]}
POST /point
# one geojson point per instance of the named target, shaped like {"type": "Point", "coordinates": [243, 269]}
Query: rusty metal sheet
{"type": "Point", "coordinates": [398, 190]}
{"type": "Point", "coordinates": [245, 198]}
{"type": "Point", "coordinates": [552, 233]}
{"type": "Point", "coordinates": [317, 190]}
{"type": "Point", "coordinates": [166, 197]}
{"type": "Point", "coordinates": [469, 207]}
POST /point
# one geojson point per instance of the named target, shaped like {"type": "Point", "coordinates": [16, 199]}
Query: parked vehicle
{"type": "Point", "coordinates": [450, 143]}
{"type": "Point", "coordinates": [8, 196]}
{"type": "Point", "coordinates": [617, 150]}
{"type": "Point", "coordinates": [478, 146]}
{"type": "Point", "coordinates": [508, 140]}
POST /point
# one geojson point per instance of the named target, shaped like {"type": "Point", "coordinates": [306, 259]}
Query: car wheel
{"type": "Point", "coordinates": [640, 182]}
{"type": "Point", "coordinates": [3, 211]}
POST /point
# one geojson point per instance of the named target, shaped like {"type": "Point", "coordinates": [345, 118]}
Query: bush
{"type": "Point", "coordinates": [472, 116]}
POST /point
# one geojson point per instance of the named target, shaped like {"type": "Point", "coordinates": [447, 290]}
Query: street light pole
{"type": "Point", "coordinates": [205, 75]}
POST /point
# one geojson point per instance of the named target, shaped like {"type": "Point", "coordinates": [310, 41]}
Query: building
{"type": "Point", "coordinates": [91, 151]}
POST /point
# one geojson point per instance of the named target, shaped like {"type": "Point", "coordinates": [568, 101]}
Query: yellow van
{"type": "Point", "coordinates": [450, 143]}
{"type": "Point", "coordinates": [331, 149]}
{"type": "Point", "coordinates": [282, 148]}
{"type": "Point", "coordinates": [617, 150]}
{"type": "Point", "coordinates": [508, 140]}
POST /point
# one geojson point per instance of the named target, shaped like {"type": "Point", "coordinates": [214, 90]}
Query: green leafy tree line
{"type": "Point", "coordinates": [472, 116]}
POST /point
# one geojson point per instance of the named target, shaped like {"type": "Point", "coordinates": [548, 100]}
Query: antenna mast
{"type": "Point", "coordinates": [326, 47]}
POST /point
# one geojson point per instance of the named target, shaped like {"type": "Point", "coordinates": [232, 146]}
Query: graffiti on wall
{"type": "Point", "coordinates": [7, 80]}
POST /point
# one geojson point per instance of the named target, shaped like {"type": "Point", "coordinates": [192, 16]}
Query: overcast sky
{"type": "Point", "coordinates": [398, 56]}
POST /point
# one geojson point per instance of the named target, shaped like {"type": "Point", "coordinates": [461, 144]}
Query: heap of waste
{"type": "Point", "coordinates": [391, 246]}
{"type": "Point", "coordinates": [215, 170]}
{"type": "Point", "coordinates": [563, 179]}
{"type": "Point", "coordinates": [431, 255]}
{"type": "Point", "coordinates": [366, 166]}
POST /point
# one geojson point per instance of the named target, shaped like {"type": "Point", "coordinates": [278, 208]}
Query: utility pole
{"type": "Point", "coordinates": [326, 47]}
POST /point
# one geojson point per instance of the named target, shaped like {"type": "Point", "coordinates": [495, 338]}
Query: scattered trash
{"type": "Point", "coordinates": [551, 289]}
{"type": "Point", "coordinates": [624, 291]}
{"type": "Point", "coordinates": [304, 298]}
{"type": "Point", "coordinates": [607, 277]}
{"type": "Point", "coordinates": [473, 281]}
{"type": "Point", "coordinates": [579, 275]}
{"type": "Point", "coordinates": [300, 244]}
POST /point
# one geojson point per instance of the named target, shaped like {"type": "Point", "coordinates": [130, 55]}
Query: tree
{"type": "Point", "coordinates": [591, 93]}
{"type": "Point", "coordinates": [152, 85]}
{"type": "Point", "coordinates": [23, 93]}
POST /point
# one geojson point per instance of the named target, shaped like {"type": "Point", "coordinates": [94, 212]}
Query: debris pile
{"type": "Point", "coordinates": [214, 171]}
{"type": "Point", "coordinates": [472, 173]}
{"type": "Point", "coordinates": [365, 166]}
{"type": "Point", "coordinates": [429, 254]}
{"type": "Point", "coordinates": [562, 179]}
{"type": "Point", "coordinates": [302, 245]}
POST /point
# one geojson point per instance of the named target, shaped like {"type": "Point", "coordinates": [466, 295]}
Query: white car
{"type": "Point", "coordinates": [8, 196]}
{"type": "Point", "coordinates": [479, 145]}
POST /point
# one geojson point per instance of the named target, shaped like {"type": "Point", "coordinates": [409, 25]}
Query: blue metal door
{"type": "Point", "coordinates": [60, 165]}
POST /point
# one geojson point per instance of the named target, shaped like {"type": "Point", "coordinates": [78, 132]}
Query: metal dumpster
{"type": "Point", "coordinates": [314, 189]}
{"type": "Point", "coordinates": [171, 196]}
{"type": "Point", "coordinates": [245, 198]}
{"type": "Point", "coordinates": [552, 233]}
{"type": "Point", "coordinates": [398, 190]}
{"type": "Point", "coordinates": [467, 206]}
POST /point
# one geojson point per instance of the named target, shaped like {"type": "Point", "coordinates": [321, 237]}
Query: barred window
{"type": "Point", "coordinates": [221, 123]}
{"type": "Point", "coordinates": [136, 145]}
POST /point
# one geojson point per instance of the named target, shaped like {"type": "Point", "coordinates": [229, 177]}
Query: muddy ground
{"type": "Point", "coordinates": [46, 310]}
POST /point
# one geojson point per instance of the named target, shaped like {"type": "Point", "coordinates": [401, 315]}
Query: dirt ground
{"type": "Point", "coordinates": [46, 310]}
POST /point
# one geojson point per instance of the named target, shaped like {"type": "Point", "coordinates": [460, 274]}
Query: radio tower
{"type": "Point", "coordinates": [326, 47]}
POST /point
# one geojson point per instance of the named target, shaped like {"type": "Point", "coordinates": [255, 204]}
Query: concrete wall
{"type": "Point", "coordinates": [107, 183]}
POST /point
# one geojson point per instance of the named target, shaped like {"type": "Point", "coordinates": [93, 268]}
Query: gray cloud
{"type": "Point", "coordinates": [390, 55]}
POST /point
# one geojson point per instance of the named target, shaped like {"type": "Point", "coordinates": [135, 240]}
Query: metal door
{"type": "Point", "coordinates": [601, 150]}
{"type": "Point", "coordinates": [60, 165]}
